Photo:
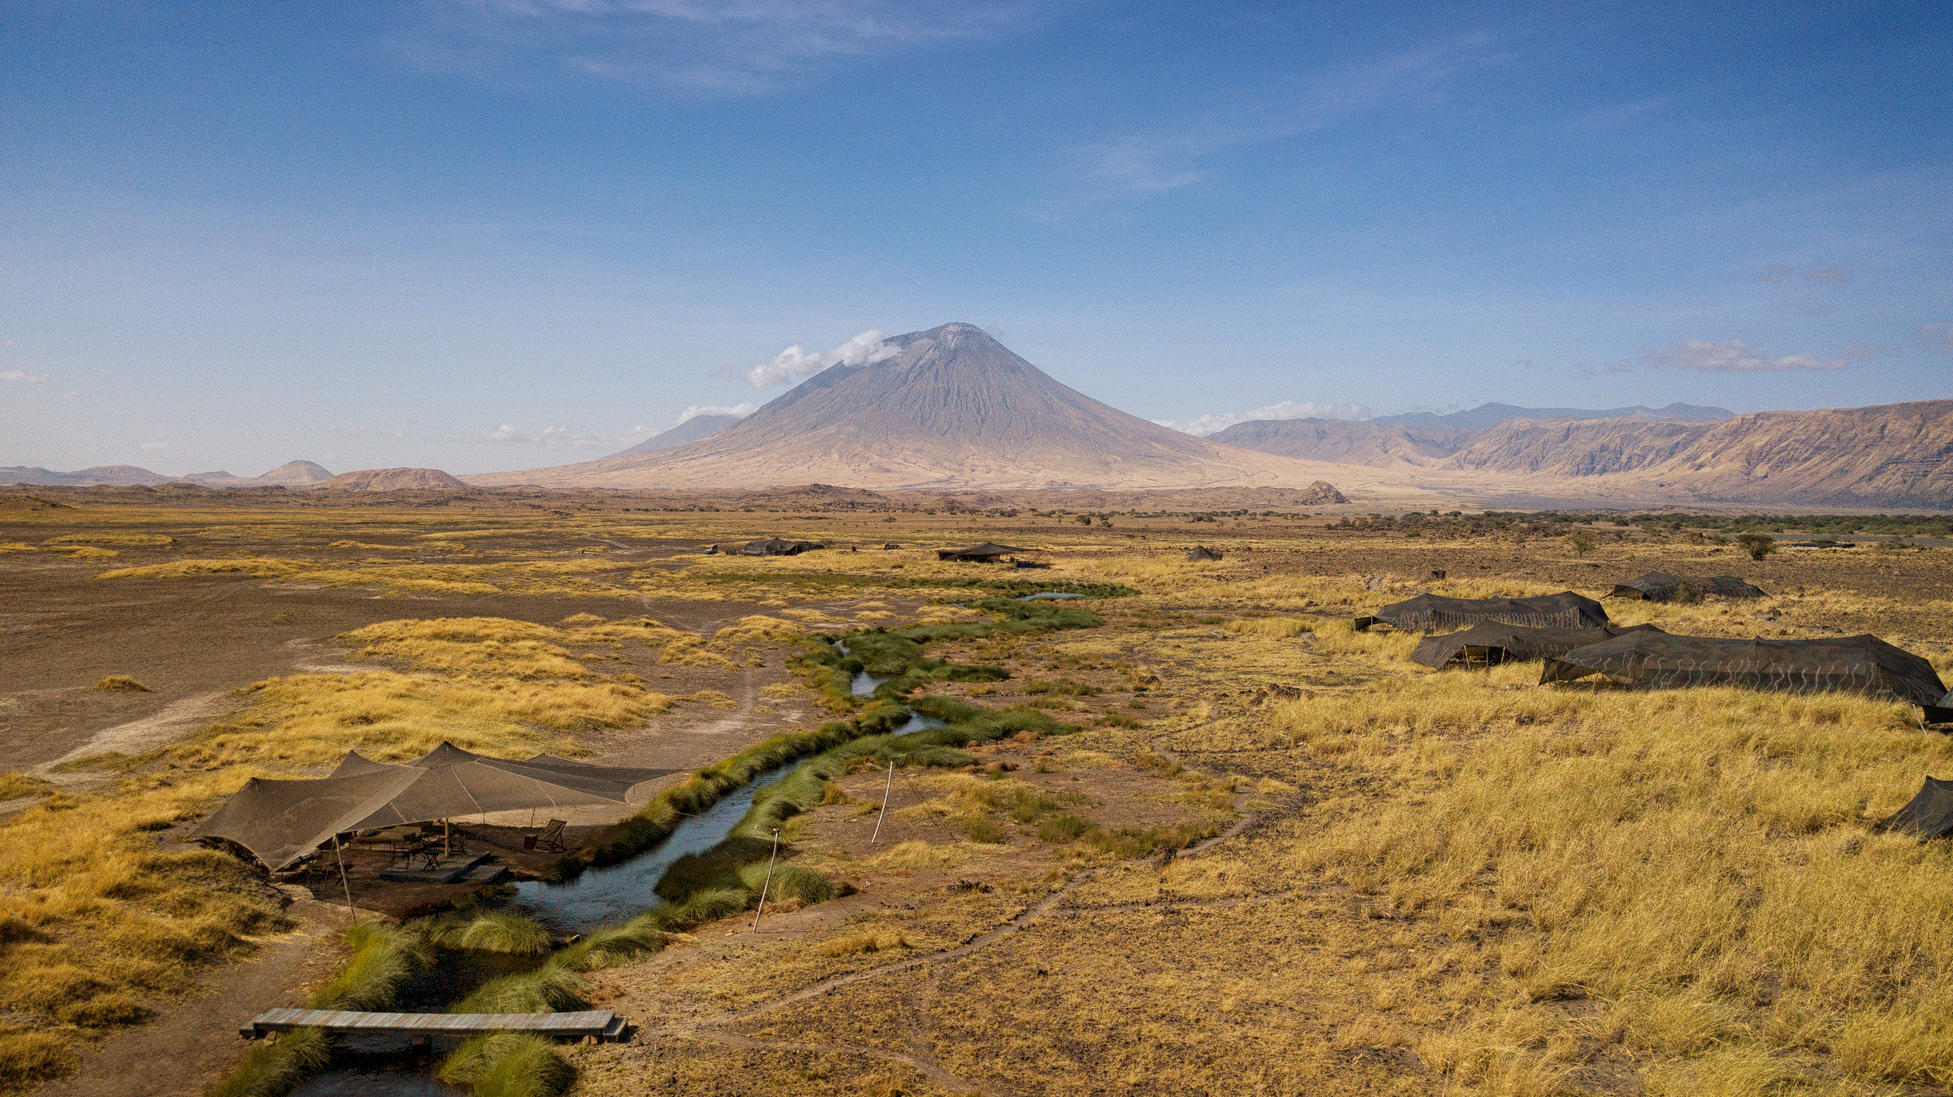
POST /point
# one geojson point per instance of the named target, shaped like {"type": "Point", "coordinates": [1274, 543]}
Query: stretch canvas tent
{"type": "Point", "coordinates": [1490, 644]}
{"type": "Point", "coordinates": [1432, 612]}
{"type": "Point", "coordinates": [1847, 664]}
{"type": "Point", "coordinates": [1660, 586]}
{"type": "Point", "coordinates": [1929, 814]}
{"type": "Point", "coordinates": [984, 553]}
{"type": "Point", "coordinates": [281, 822]}
{"type": "Point", "coordinates": [1203, 553]}
{"type": "Point", "coordinates": [774, 546]}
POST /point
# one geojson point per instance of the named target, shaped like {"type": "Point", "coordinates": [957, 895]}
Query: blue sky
{"type": "Point", "coordinates": [487, 234]}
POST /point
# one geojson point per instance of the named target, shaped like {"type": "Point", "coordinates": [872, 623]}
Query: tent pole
{"type": "Point", "coordinates": [338, 852]}
{"type": "Point", "coordinates": [447, 840]}
{"type": "Point", "coordinates": [886, 789]}
{"type": "Point", "coordinates": [769, 879]}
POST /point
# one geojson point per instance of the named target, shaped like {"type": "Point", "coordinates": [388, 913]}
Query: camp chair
{"type": "Point", "coordinates": [551, 837]}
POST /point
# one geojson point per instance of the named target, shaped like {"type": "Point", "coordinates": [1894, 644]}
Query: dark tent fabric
{"type": "Point", "coordinates": [1660, 586]}
{"type": "Point", "coordinates": [1847, 664]}
{"type": "Point", "coordinates": [1432, 612]}
{"type": "Point", "coordinates": [774, 546]}
{"type": "Point", "coordinates": [989, 550]}
{"type": "Point", "coordinates": [1490, 644]}
{"type": "Point", "coordinates": [1928, 814]}
{"type": "Point", "coordinates": [1203, 553]}
{"type": "Point", "coordinates": [1941, 713]}
{"type": "Point", "coordinates": [283, 821]}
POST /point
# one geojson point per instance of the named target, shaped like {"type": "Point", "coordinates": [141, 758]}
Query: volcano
{"type": "Point", "coordinates": [945, 408]}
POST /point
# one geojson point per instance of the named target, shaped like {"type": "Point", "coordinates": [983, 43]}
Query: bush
{"type": "Point", "coordinates": [1758, 545]}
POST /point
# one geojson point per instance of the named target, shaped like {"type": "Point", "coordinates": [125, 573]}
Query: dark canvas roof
{"type": "Point", "coordinates": [1493, 643]}
{"type": "Point", "coordinates": [1202, 552]}
{"type": "Point", "coordinates": [1431, 612]}
{"type": "Point", "coordinates": [978, 552]}
{"type": "Point", "coordinates": [1849, 664]}
{"type": "Point", "coordinates": [775, 546]}
{"type": "Point", "coordinates": [282, 821]}
{"type": "Point", "coordinates": [1660, 586]}
{"type": "Point", "coordinates": [1929, 814]}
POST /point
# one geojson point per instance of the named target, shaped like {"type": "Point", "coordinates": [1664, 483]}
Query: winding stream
{"type": "Point", "coordinates": [596, 899]}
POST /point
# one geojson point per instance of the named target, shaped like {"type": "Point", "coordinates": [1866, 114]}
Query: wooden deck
{"type": "Point", "coordinates": [599, 1024]}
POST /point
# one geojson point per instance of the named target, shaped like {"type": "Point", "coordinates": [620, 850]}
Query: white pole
{"type": "Point", "coordinates": [883, 813]}
{"type": "Point", "coordinates": [769, 879]}
{"type": "Point", "coordinates": [351, 914]}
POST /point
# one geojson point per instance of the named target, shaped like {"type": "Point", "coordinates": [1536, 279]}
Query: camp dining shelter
{"type": "Point", "coordinates": [1436, 612]}
{"type": "Point", "coordinates": [1492, 643]}
{"type": "Point", "coordinates": [1864, 665]}
{"type": "Point", "coordinates": [1661, 586]}
{"type": "Point", "coordinates": [282, 822]}
{"type": "Point", "coordinates": [988, 552]}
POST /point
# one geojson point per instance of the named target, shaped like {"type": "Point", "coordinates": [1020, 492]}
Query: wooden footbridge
{"type": "Point", "coordinates": [592, 1025]}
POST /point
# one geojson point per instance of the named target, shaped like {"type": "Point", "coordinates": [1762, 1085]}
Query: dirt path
{"type": "Point", "coordinates": [194, 1040]}
{"type": "Point", "coordinates": [136, 736]}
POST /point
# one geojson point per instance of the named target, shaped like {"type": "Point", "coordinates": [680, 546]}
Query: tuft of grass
{"type": "Point", "coordinates": [551, 988]}
{"type": "Point", "coordinates": [276, 1068]}
{"type": "Point", "coordinates": [501, 931]}
{"type": "Point", "coordinates": [508, 1064]}
{"type": "Point", "coordinates": [383, 958]}
{"type": "Point", "coordinates": [120, 683]}
{"type": "Point", "coordinates": [28, 1056]}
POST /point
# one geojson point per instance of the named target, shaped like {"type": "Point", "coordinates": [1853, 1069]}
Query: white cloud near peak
{"type": "Point", "coordinates": [798, 362]}
{"type": "Point", "coordinates": [737, 411]}
{"type": "Point", "coordinates": [22, 377]}
{"type": "Point", "coordinates": [1215, 422]}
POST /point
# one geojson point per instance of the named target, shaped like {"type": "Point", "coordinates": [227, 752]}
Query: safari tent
{"type": "Point", "coordinates": [1929, 814]}
{"type": "Point", "coordinates": [282, 822]}
{"type": "Point", "coordinates": [1490, 644]}
{"type": "Point", "coordinates": [1202, 553]}
{"type": "Point", "coordinates": [775, 546]}
{"type": "Point", "coordinates": [1435, 612]}
{"type": "Point", "coordinates": [1864, 665]}
{"type": "Point", "coordinates": [988, 552]}
{"type": "Point", "coordinates": [1660, 586]}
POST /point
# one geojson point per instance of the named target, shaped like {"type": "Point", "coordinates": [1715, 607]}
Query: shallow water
{"type": "Point", "coordinates": [405, 1080]}
{"type": "Point", "coordinates": [1048, 595]}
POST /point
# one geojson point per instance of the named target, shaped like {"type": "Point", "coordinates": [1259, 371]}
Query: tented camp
{"type": "Point", "coordinates": [1660, 586]}
{"type": "Point", "coordinates": [1927, 815]}
{"type": "Point", "coordinates": [775, 546]}
{"type": "Point", "coordinates": [1433, 612]}
{"type": "Point", "coordinates": [1490, 644]}
{"type": "Point", "coordinates": [1203, 553]}
{"type": "Point", "coordinates": [1942, 712]}
{"type": "Point", "coordinates": [1847, 664]}
{"type": "Point", "coordinates": [281, 822]}
{"type": "Point", "coordinates": [988, 552]}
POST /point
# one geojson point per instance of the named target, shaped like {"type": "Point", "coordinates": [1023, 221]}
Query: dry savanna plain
{"type": "Point", "coordinates": [1189, 833]}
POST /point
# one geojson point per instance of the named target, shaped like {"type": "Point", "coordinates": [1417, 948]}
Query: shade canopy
{"type": "Point", "coordinates": [283, 821]}
{"type": "Point", "coordinates": [1491, 644]}
{"type": "Point", "coordinates": [775, 546]}
{"type": "Point", "coordinates": [1432, 612]}
{"type": "Point", "coordinates": [1203, 553]}
{"type": "Point", "coordinates": [989, 550]}
{"type": "Point", "coordinates": [1928, 814]}
{"type": "Point", "coordinates": [1847, 664]}
{"type": "Point", "coordinates": [1660, 586]}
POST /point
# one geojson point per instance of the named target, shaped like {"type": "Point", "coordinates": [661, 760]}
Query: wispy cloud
{"type": "Point", "coordinates": [797, 361]}
{"type": "Point", "coordinates": [1733, 356]}
{"type": "Point", "coordinates": [737, 411]}
{"type": "Point", "coordinates": [713, 49]}
{"type": "Point", "coordinates": [22, 377]}
{"type": "Point", "coordinates": [1215, 422]}
{"type": "Point", "coordinates": [1135, 166]}
{"type": "Point", "coordinates": [555, 436]}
